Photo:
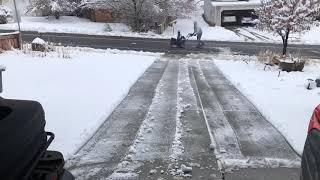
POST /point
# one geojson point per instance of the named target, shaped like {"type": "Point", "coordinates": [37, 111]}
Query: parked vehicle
{"type": "Point", "coordinates": [310, 165]}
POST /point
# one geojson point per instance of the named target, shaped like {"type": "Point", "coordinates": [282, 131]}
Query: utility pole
{"type": "Point", "coordinates": [18, 20]}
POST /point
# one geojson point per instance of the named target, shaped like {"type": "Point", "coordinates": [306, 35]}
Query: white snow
{"type": "Point", "coordinates": [67, 24]}
{"type": "Point", "coordinates": [77, 25]}
{"type": "Point", "coordinates": [236, 3]}
{"type": "Point", "coordinates": [77, 93]}
{"type": "Point", "coordinates": [38, 41]}
{"type": "Point", "coordinates": [153, 171]}
{"type": "Point", "coordinates": [11, 33]}
{"type": "Point", "coordinates": [177, 146]}
{"type": "Point", "coordinates": [5, 11]}
{"type": "Point", "coordinates": [139, 150]}
{"type": "Point", "coordinates": [283, 100]}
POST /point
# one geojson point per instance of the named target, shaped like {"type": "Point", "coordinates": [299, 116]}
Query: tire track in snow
{"type": "Point", "coordinates": [151, 148]}
{"type": "Point", "coordinates": [260, 145]}
{"type": "Point", "coordinates": [99, 156]}
{"type": "Point", "coordinates": [223, 140]}
{"type": "Point", "coordinates": [186, 102]}
{"type": "Point", "coordinates": [259, 36]}
{"type": "Point", "coordinates": [196, 160]}
{"type": "Point", "coordinates": [238, 33]}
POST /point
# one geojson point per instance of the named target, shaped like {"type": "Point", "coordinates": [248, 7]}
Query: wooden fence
{"type": "Point", "coordinates": [9, 41]}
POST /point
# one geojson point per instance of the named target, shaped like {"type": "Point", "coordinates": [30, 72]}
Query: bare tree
{"type": "Point", "coordinates": [5, 13]}
{"type": "Point", "coordinates": [51, 7]}
{"type": "Point", "coordinates": [137, 13]}
{"type": "Point", "coordinates": [183, 8]}
{"type": "Point", "coordinates": [140, 13]}
{"type": "Point", "coordinates": [287, 16]}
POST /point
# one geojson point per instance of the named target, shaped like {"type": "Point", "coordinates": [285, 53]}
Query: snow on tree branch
{"type": "Point", "coordinates": [283, 15]}
{"type": "Point", "coordinates": [287, 16]}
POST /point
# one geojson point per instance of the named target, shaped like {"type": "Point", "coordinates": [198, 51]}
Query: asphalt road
{"type": "Point", "coordinates": [162, 45]}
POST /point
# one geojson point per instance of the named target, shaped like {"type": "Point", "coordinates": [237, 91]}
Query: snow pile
{"type": "Point", "coordinates": [38, 41]}
{"type": "Point", "coordinates": [77, 94]}
{"type": "Point", "coordinates": [186, 100]}
{"type": "Point", "coordinates": [11, 33]}
{"type": "Point", "coordinates": [283, 100]}
{"type": "Point", "coordinates": [177, 147]}
{"type": "Point", "coordinates": [232, 164]}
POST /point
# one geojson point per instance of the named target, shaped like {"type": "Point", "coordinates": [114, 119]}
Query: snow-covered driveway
{"type": "Point", "coordinates": [184, 118]}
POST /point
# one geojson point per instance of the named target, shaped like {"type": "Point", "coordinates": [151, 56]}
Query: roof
{"type": "Point", "coordinates": [98, 4]}
{"type": "Point", "coordinates": [237, 3]}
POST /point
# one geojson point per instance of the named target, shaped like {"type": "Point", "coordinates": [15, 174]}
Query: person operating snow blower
{"type": "Point", "coordinates": [179, 41]}
{"type": "Point", "coordinates": [197, 32]}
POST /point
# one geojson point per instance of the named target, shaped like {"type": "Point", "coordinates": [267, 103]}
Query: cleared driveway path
{"type": "Point", "coordinates": [184, 120]}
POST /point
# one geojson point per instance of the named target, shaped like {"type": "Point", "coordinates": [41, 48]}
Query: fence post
{"type": "Point", "coordinates": [2, 68]}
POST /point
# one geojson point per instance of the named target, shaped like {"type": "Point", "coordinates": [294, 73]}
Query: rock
{"type": "Point", "coordinates": [39, 45]}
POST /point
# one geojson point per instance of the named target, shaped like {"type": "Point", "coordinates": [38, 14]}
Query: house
{"type": "Point", "coordinates": [97, 12]}
{"type": "Point", "coordinates": [234, 12]}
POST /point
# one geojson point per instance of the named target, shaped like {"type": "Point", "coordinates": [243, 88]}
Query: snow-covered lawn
{"type": "Point", "coordinates": [70, 24]}
{"type": "Point", "coordinates": [77, 93]}
{"type": "Point", "coordinates": [67, 24]}
{"type": "Point", "coordinates": [283, 100]}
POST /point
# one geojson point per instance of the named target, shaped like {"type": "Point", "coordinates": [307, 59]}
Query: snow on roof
{"type": "Point", "coordinates": [99, 4]}
{"type": "Point", "coordinates": [237, 3]}
{"type": "Point", "coordinates": [11, 33]}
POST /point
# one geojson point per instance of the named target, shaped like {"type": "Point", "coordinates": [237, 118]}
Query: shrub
{"type": "Point", "coordinates": [5, 14]}
{"type": "Point", "coordinates": [268, 56]}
